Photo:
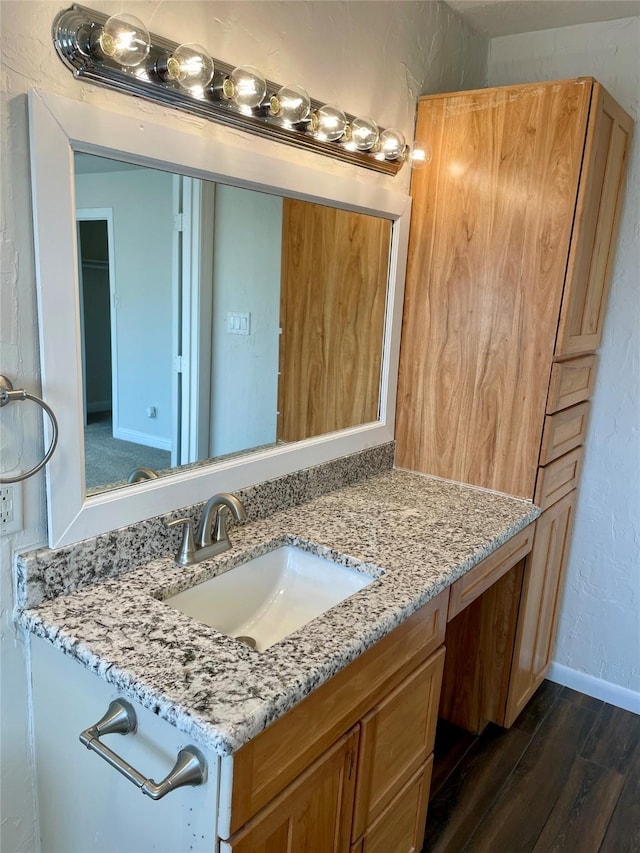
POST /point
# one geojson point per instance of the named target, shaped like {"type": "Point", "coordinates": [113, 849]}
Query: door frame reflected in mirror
{"type": "Point", "coordinates": [59, 127]}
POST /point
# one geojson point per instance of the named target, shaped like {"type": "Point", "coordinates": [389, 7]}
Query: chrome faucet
{"type": "Point", "coordinates": [140, 474]}
{"type": "Point", "coordinates": [211, 536]}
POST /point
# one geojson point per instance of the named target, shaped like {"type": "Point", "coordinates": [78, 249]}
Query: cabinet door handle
{"type": "Point", "coordinates": [190, 767]}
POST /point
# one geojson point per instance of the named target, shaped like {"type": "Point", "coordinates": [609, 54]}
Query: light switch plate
{"type": "Point", "coordinates": [238, 323]}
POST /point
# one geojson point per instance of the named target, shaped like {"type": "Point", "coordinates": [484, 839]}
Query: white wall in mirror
{"type": "Point", "coordinates": [59, 128]}
{"type": "Point", "coordinates": [246, 274]}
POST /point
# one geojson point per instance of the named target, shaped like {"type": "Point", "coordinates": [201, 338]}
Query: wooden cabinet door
{"type": "Point", "coordinates": [396, 739]}
{"type": "Point", "coordinates": [598, 209]}
{"type": "Point", "coordinates": [539, 604]}
{"type": "Point", "coordinates": [491, 228]}
{"type": "Point", "coordinates": [400, 827]}
{"type": "Point", "coordinates": [313, 814]}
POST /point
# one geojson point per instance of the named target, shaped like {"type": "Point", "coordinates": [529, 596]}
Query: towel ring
{"type": "Point", "coordinates": [7, 394]}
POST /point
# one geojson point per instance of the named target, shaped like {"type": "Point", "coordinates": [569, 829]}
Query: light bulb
{"type": "Point", "coordinates": [245, 86]}
{"type": "Point", "coordinates": [364, 134]}
{"type": "Point", "coordinates": [191, 66]}
{"type": "Point", "coordinates": [292, 104]}
{"type": "Point", "coordinates": [328, 123]}
{"type": "Point", "coordinates": [391, 145]}
{"type": "Point", "coordinates": [125, 39]}
{"type": "Point", "coordinates": [418, 154]}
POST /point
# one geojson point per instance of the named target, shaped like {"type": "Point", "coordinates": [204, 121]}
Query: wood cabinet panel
{"type": "Point", "coordinates": [558, 478]}
{"type": "Point", "coordinates": [540, 601]}
{"type": "Point", "coordinates": [396, 738]}
{"type": "Point", "coordinates": [476, 581]}
{"type": "Point", "coordinates": [571, 382]}
{"type": "Point", "coordinates": [490, 233]}
{"type": "Point", "coordinates": [598, 209]}
{"type": "Point", "coordinates": [332, 304]}
{"type": "Point", "coordinates": [274, 758]}
{"type": "Point", "coordinates": [400, 827]}
{"type": "Point", "coordinates": [311, 815]}
{"type": "Point", "coordinates": [563, 431]}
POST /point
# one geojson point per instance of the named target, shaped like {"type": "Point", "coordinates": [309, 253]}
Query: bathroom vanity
{"type": "Point", "coordinates": [323, 741]}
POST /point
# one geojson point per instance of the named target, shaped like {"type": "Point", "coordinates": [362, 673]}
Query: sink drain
{"type": "Point", "coordinates": [248, 641]}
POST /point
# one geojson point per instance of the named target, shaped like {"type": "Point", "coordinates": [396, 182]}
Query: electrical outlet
{"type": "Point", "coordinates": [11, 508]}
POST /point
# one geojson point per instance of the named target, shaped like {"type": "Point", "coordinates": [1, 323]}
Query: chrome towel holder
{"type": "Point", "coordinates": [190, 767]}
{"type": "Point", "coordinates": [7, 394]}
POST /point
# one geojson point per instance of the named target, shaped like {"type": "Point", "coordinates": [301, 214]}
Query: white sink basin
{"type": "Point", "coordinates": [269, 597]}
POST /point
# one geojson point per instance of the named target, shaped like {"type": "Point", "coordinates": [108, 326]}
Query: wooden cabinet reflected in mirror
{"type": "Point", "coordinates": [216, 320]}
{"type": "Point", "coordinates": [332, 306]}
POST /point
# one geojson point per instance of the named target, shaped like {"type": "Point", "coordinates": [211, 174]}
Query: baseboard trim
{"type": "Point", "coordinates": [142, 438]}
{"type": "Point", "coordinates": [614, 694]}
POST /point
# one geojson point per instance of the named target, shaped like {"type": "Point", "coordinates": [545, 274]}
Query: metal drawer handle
{"type": "Point", "coordinates": [190, 767]}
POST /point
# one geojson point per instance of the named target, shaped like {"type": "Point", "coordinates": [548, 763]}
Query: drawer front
{"type": "Point", "coordinates": [563, 431]}
{"type": "Point", "coordinates": [558, 478]}
{"type": "Point", "coordinates": [571, 382]}
{"type": "Point", "coordinates": [485, 574]}
{"type": "Point", "coordinates": [268, 763]}
{"type": "Point", "coordinates": [396, 738]}
{"type": "Point", "coordinates": [400, 827]}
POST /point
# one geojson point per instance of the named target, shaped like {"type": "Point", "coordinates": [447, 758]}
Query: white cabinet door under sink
{"type": "Point", "coordinates": [84, 805]}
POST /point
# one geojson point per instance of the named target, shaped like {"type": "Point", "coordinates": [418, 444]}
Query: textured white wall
{"type": "Point", "coordinates": [599, 631]}
{"type": "Point", "coordinates": [370, 57]}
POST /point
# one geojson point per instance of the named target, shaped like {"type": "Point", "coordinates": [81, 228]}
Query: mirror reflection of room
{"type": "Point", "coordinates": [216, 320]}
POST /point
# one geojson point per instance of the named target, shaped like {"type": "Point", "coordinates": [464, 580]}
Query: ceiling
{"type": "Point", "coordinates": [506, 17]}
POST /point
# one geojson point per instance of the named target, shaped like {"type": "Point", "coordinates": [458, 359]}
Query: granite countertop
{"type": "Point", "coordinates": [415, 534]}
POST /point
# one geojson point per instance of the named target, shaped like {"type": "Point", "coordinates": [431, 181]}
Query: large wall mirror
{"type": "Point", "coordinates": [227, 321]}
{"type": "Point", "coordinates": [209, 314]}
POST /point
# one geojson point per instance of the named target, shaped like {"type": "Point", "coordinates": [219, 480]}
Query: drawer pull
{"type": "Point", "coordinates": [190, 767]}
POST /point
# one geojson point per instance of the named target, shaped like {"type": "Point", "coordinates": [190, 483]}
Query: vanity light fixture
{"type": "Point", "coordinates": [119, 52]}
{"type": "Point", "coordinates": [364, 134]}
{"type": "Point", "coordinates": [391, 145]}
{"type": "Point", "coordinates": [418, 155]}
{"type": "Point", "coordinates": [328, 123]}
{"type": "Point", "coordinates": [292, 104]}
{"type": "Point", "coordinates": [246, 87]}
{"type": "Point", "coordinates": [190, 66]}
{"type": "Point", "coordinates": [124, 39]}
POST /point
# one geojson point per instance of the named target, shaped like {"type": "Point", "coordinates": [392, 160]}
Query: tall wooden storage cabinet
{"type": "Point", "coordinates": [511, 249]}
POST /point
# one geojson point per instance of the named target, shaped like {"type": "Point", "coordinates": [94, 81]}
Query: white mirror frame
{"type": "Point", "coordinates": [58, 128]}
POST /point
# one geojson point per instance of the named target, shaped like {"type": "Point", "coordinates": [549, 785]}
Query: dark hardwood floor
{"type": "Point", "coordinates": [565, 777]}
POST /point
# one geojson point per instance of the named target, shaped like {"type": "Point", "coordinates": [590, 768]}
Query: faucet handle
{"type": "Point", "coordinates": [187, 553]}
{"type": "Point", "coordinates": [220, 533]}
